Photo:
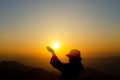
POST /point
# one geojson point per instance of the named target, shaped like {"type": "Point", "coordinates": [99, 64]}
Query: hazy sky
{"type": "Point", "coordinates": [28, 26]}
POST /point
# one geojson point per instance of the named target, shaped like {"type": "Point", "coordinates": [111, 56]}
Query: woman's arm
{"type": "Point", "coordinates": [55, 62]}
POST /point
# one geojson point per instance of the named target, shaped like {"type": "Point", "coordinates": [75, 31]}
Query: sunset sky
{"type": "Point", "coordinates": [28, 26]}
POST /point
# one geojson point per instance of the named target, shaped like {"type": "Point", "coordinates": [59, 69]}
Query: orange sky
{"type": "Point", "coordinates": [91, 27]}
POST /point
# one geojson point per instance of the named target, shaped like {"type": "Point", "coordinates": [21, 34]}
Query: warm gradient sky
{"type": "Point", "coordinates": [28, 26]}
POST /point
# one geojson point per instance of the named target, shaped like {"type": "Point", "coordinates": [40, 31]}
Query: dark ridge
{"type": "Point", "coordinates": [16, 71]}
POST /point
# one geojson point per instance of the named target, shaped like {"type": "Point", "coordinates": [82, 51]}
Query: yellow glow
{"type": "Point", "coordinates": [55, 45]}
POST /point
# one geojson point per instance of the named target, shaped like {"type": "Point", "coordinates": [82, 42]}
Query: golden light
{"type": "Point", "coordinates": [55, 45]}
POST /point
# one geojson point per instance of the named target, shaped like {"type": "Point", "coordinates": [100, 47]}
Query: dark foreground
{"type": "Point", "coordinates": [15, 71]}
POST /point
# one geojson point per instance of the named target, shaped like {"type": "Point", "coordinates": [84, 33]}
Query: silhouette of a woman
{"type": "Point", "coordinates": [71, 70]}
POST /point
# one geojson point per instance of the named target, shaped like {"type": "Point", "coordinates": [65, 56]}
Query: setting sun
{"type": "Point", "coordinates": [55, 45]}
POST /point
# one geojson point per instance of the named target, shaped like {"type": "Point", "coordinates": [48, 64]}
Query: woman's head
{"type": "Point", "coordinates": [74, 53]}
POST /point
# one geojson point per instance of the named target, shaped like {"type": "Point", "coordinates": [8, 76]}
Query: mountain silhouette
{"type": "Point", "coordinates": [15, 71]}
{"type": "Point", "coordinates": [12, 70]}
{"type": "Point", "coordinates": [107, 65]}
{"type": "Point", "coordinates": [92, 74]}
